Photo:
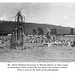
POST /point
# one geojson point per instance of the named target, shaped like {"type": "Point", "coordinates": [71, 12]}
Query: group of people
{"type": "Point", "coordinates": [53, 40]}
{"type": "Point", "coordinates": [43, 39]}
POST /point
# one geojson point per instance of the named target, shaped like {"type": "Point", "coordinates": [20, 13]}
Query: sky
{"type": "Point", "coordinates": [49, 13]}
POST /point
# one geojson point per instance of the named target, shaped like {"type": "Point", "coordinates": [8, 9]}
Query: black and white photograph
{"type": "Point", "coordinates": [37, 32]}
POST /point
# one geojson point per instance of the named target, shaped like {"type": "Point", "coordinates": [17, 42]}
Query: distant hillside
{"type": "Point", "coordinates": [7, 27]}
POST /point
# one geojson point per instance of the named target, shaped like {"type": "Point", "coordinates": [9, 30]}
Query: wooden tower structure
{"type": "Point", "coordinates": [17, 34]}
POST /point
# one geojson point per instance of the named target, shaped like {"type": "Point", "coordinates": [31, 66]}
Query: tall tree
{"type": "Point", "coordinates": [34, 31]}
{"type": "Point", "coordinates": [53, 31]}
{"type": "Point", "coordinates": [40, 31]}
{"type": "Point", "coordinates": [71, 31]}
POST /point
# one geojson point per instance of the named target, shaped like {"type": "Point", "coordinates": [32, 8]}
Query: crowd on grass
{"type": "Point", "coordinates": [43, 39]}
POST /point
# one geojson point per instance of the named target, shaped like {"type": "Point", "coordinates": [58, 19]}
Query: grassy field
{"type": "Point", "coordinates": [39, 53]}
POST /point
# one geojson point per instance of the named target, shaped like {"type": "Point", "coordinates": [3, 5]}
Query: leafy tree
{"type": "Point", "coordinates": [34, 31]}
{"type": "Point", "coordinates": [53, 31]}
{"type": "Point", "coordinates": [40, 31]}
{"type": "Point", "coordinates": [71, 31]}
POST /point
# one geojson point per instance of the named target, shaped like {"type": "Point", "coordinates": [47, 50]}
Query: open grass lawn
{"type": "Point", "coordinates": [39, 53]}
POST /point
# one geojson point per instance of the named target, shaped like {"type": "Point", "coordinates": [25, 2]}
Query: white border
{"type": "Point", "coordinates": [36, 1]}
{"type": "Point", "coordinates": [3, 66]}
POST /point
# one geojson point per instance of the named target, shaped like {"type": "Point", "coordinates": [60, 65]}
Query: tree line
{"type": "Point", "coordinates": [53, 31]}
{"type": "Point", "coordinates": [40, 31]}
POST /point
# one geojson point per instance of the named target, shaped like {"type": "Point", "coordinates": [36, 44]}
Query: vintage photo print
{"type": "Point", "coordinates": [37, 32]}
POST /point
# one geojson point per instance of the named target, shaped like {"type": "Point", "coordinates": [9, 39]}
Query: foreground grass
{"type": "Point", "coordinates": [38, 53]}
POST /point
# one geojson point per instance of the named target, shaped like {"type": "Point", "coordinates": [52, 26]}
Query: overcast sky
{"type": "Point", "coordinates": [51, 13]}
